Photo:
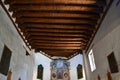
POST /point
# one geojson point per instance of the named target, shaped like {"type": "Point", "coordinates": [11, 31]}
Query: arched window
{"type": "Point", "coordinates": [79, 71]}
{"type": "Point", "coordinates": [40, 72]}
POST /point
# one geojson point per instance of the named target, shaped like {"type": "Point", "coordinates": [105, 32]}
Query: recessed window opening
{"type": "Point", "coordinates": [91, 60]}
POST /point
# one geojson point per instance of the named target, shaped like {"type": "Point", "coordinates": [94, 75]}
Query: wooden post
{"type": "Point", "coordinates": [9, 75]}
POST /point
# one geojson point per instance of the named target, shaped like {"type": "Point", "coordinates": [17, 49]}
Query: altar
{"type": "Point", "coordinates": [60, 70]}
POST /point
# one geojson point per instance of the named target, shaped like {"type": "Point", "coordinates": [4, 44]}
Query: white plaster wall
{"type": "Point", "coordinates": [73, 67]}
{"type": "Point", "coordinates": [45, 61]}
{"type": "Point", "coordinates": [20, 64]}
{"type": "Point", "coordinates": [106, 40]}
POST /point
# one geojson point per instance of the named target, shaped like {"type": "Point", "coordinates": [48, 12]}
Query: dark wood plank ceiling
{"type": "Point", "coordinates": [57, 27]}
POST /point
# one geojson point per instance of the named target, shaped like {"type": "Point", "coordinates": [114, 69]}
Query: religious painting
{"type": "Point", "coordinates": [79, 71]}
{"type": "Point", "coordinates": [40, 72]}
{"type": "Point", "coordinates": [53, 75]}
{"type": "Point", "coordinates": [66, 75]}
{"type": "Point", "coordinates": [60, 69]}
{"type": "Point", "coordinates": [60, 74]}
{"type": "Point", "coordinates": [112, 63]}
{"type": "Point", "coordinates": [5, 61]}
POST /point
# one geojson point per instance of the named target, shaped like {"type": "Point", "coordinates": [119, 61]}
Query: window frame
{"type": "Point", "coordinates": [92, 60]}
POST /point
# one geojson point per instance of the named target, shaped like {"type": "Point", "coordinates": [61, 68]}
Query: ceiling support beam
{"type": "Point", "coordinates": [75, 2]}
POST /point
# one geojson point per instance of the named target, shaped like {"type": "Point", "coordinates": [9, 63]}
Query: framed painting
{"type": "Point", "coordinates": [5, 61]}
{"type": "Point", "coordinates": [40, 72]}
{"type": "Point", "coordinates": [59, 74]}
{"type": "Point", "coordinates": [79, 71]}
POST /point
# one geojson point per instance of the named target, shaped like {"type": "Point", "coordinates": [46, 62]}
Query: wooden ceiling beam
{"type": "Point", "coordinates": [54, 15]}
{"type": "Point", "coordinates": [57, 39]}
{"type": "Point", "coordinates": [15, 8]}
{"type": "Point", "coordinates": [41, 41]}
{"type": "Point", "coordinates": [28, 34]}
{"type": "Point", "coordinates": [32, 30]}
{"type": "Point", "coordinates": [58, 35]}
{"type": "Point", "coordinates": [82, 41]}
{"type": "Point", "coordinates": [72, 35]}
{"type": "Point", "coordinates": [57, 32]}
{"type": "Point", "coordinates": [71, 32]}
{"type": "Point", "coordinates": [76, 2]}
{"type": "Point", "coordinates": [52, 21]}
{"type": "Point", "coordinates": [58, 42]}
{"type": "Point", "coordinates": [74, 40]}
{"type": "Point", "coordinates": [58, 53]}
{"type": "Point", "coordinates": [33, 39]}
{"type": "Point", "coordinates": [61, 54]}
{"type": "Point", "coordinates": [57, 26]}
{"type": "Point", "coordinates": [58, 12]}
{"type": "Point", "coordinates": [58, 48]}
{"type": "Point", "coordinates": [58, 45]}
{"type": "Point", "coordinates": [60, 26]}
